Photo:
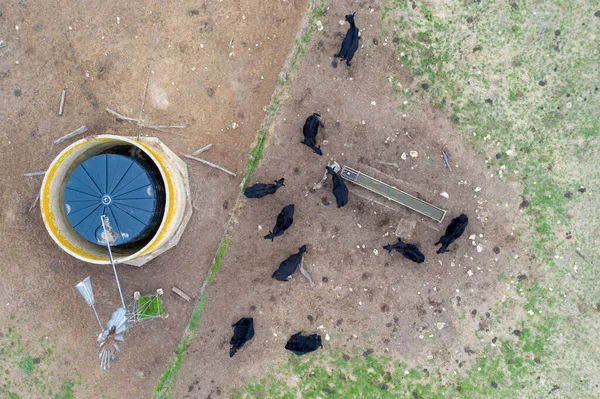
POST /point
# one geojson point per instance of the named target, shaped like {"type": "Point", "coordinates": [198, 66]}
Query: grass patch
{"type": "Point", "coordinates": [152, 307]}
{"type": "Point", "coordinates": [168, 380]}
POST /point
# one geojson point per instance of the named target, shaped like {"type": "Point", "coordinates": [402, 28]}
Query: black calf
{"type": "Point", "coordinates": [284, 221]}
{"type": "Point", "coordinates": [455, 229]}
{"type": "Point", "coordinates": [350, 42]}
{"type": "Point", "coordinates": [310, 130]}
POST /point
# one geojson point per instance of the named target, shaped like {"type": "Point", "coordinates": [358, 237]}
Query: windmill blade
{"type": "Point", "coordinates": [85, 289]}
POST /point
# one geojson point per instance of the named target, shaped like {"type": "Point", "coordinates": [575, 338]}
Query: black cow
{"type": "Point", "coordinates": [409, 251]}
{"type": "Point", "coordinates": [289, 266]}
{"type": "Point", "coordinates": [339, 188]}
{"type": "Point", "coordinates": [455, 229]}
{"type": "Point", "coordinates": [260, 190]}
{"type": "Point", "coordinates": [310, 130]}
{"type": "Point", "coordinates": [243, 331]}
{"type": "Point", "coordinates": [301, 345]}
{"type": "Point", "coordinates": [350, 43]}
{"type": "Point", "coordinates": [284, 221]}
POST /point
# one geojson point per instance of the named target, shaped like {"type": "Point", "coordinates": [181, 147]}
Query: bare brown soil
{"type": "Point", "coordinates": [204, 64]}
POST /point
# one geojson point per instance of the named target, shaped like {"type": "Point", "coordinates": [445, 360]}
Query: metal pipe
{"type": "Point", "coordinates": [104, 220]}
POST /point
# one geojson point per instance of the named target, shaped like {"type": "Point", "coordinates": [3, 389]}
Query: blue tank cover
{"type": "Point", "coordinates": [129, 191]}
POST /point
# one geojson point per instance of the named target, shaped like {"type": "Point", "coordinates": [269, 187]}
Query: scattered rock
{"type": "Point", "coordinates": [568, 194]}
{"type": "Point", "coordinates": [325, 279]}
{"type": "Point", "coordinates": [327, 337]}
{"type": "Point", "coordinates": [470, 20]}
{"type": "Point", "coordinates": [310, 318]}
{"type": "Point", "coordinates": [517, 333]}
{"type": "Point", "coordinates": [473, 313]}
{"type": "Point", "coordinates": [496, 250]}
{"type": "Point", "coordinates": [234, 125]}
{"type": "Point", "coordinates": [440, 325]}
{"type": "Point", "coordinates": [524, 204]}
{"type": "Point", "coordinates": [542, 83]}
{"type": "Point", "coordinates": [557, 32]}
{"type": "Point", "coordinates": [339, 322]}
{"type": "Point", "coordinates": [489, 101]}
{"type": "Point", "coordinates": [210, 91]}
{"type": "Point", "coordinates": [425, 86]}
{"type": "Point", "coordinates": [190, 388]}
{"type": "Point", "coordinates": [396, 40]}
{"type": "Point", "coordinates": [334, 63]}
{"type": "Point", "coordinates": [194, 12]}
{"type": "Point", "coordinates": [346, 357]}
{"type": "Point", "coordinates": [537, 360]}
{"type": "Point", "coordinates": [321, 43]}
{"type": "Point", "coordinates": [37, 27]}
{"type": "Point", "coordinates": [403, 156]}
{"type": "Point", "coordinates": [597, 14]}
{"type": "Point", "coordinates": [36, 360]}
{"type": "Point", "coordinates": [17, 93]}
{"type": "Point", "coordinates": [469, 351]}
{"type": "Point", "coordinates": [252, 308]}
{"type": "Point", "coordinates": [477, 48]}
{"type": "Point", "coordinates": [414, 154]}
{"type": "Point", "coordinates": [511, 153]}
{"type": "Point", "coordinates": [581, 190]}
{"type": "Point", "coordinates": [319, 26]}
{"type": "Point", "coordinates": [479, 248]}
{"type": "Point", "coordinates": [522, 277]}
{"type": "Point", "coordinates": [444, 194]}
{"type": "Point", "coordinates": [383, 387]}
{"type": "Point", "coordinates": [385, 308]}
{"type": "Point", "coordinates": [494, 340]}
{"type": "Point", "coordinates": [375, 42]}
{"type": "Point", "coordinates": [494, 384]}
{"type": "Point", "coordinates": [368, 352]}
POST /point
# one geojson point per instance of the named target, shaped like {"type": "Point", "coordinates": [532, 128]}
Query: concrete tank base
{"type": "Point", "coordinates": [178, 206]}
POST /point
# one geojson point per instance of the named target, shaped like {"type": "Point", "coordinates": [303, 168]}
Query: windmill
{"type": "Point", "coordinates": [142, 308]}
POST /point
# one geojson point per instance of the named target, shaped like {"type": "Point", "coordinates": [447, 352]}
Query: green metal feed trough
{"type": "Point", "coordinates": [393, 194]}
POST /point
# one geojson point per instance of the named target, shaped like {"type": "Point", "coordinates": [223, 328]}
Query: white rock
{"type": "Point", "coordinates": [469, 272]}
{"type": "Point", "coordinates": [414, 154]}
{"type": "Point", "coordinates": [319, 26]}
{"type": "Point", "coordinates": [321, 327]}
{"type": "Point", "coordinates": [403, 156]}
{"type": "Point", "coordinates": [327, 337]}
{"type": "Point", "coordinates": [477, 189]}
{"type": "Point", "coordinates": [479, 248]}
{"type": "Point", "coordinates": [511, 153]}
{"type": "Point", "coordinates": [373, 103]}
{"type": "Point", "coordinates": [444, 194]}
{"type": "Point", "coordinates": [234, 125]}
{"type": "Point", "coordinates": [375, 251]}
{"type": "Point", "coordinates": [472, 237]}
{"type": "Point", "coordinates": [440, 325]}
{"type": "Point", "coordinates": [259, 227]}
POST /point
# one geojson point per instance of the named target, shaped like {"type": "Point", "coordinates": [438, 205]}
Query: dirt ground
{"type": "Point", "coordinates": [363, 298]}
{"type": "Point", "coordinates": [205, 64]}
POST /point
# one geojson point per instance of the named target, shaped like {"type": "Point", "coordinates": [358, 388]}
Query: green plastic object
{"type": "Point", "coordinates": [393, 194]}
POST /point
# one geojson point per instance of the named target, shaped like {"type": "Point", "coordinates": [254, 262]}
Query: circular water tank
{"type": "Point", "coordinates": [128, 190]}
{"type": "Point", "coordinates": [141, 185]}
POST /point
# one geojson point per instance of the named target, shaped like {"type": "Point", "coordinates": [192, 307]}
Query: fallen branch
{"type": "Point", "coordinates": [580, 253]}
{"type": "Point", "coordinates": [201, 150]}
{"type": "Point", "coordinates": [165, 126]}
{"type": "Point", "coordinates": [446, 159]}
{"type": "Point", "coordinates": [74, 133]}
{"type": "Point", "coordinates": [34, 202]}
{"type": "Point", "coordinates": [181, 293]}
{"type": "Point", "coordinates": [120, 117]}
{"type": "Point", "coordinates": [311, 283]}
{"type": "Point", "coordinates": [62, 102]}
{"type": "Point", "coordinates": [212, 165]}
{"type": "Point", "coordinates": [30, 174]}
{"type": "Point", "coordinates": [2, 45]}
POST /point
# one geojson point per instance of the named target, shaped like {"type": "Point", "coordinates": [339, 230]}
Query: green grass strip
{"type": "Point", "coordinates": [167, 382]}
